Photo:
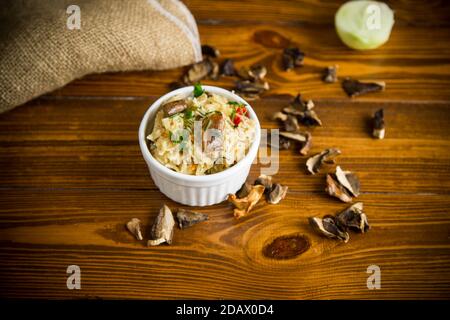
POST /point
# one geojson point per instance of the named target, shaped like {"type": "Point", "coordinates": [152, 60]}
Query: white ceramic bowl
{"type": "Point", "coordinates": [190, 189]}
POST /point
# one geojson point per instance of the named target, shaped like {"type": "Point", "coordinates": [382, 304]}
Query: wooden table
{"type": "Point", "coordinates": [71, 172]}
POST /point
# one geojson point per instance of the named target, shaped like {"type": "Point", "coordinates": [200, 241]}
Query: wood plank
{"type": "Point", "coordinates": [43, 232]}
{"type": "Point", "coordinates": [58, 144]}
{"type": "Point", "coordinates": [419, 71]}
{"type": "Point", "coordinates": [313, 12]}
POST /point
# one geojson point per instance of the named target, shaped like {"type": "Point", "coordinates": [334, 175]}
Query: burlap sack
{"type": "Point", "coordinates": [39, 53]}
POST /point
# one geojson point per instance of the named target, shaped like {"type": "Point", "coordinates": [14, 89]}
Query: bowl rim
{"type": "Point", "coordinates": [251, 153]}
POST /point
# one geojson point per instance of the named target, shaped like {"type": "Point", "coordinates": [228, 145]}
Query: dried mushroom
{"type": "Point", "coordinates": [214, 121]}
{"type": "Point", "coordinates": [328, 228]}
{"type": "Point", "coordinates": [215, 71]}
{"type": "Point", "coordinates": [210, 51]}
{"type": "Point", "coordinates": [307, 145]}
{"type": "Point", "coordinates": [274, 192]}
{"type": "Point", "coordinates": [277, 193]}
{"type": "Point", "coordinates": [254, 73]}
{"type": "Point", "coordinates": [227, 68]}
{"type": "Point", "coordinates": [174, 107]}
{"type": "Point", "coordinates": [297, 136]}
{"type": "Point", "coordinates": [266, 181]}
{"type": "Point", "coordinates": [291, 123]}
{"type": "Point", "coordinates": [251, 89]}
{"type": "Point", "coordinates": [162, 229]}
{"type": "Point", "coordinates": [303, 110]}
{"type": "Point", "coordinates": [330, 74]}
{"type": "Point", "coordinates": [245, 204]}
{"type": "Point", "coordinates": [198, 71]}
{"type": "Point", "coordinates": [283, 143]}
{"type": "Point", "coordinates": [304, 138]}
{"type": "Point", "coordinates": [343, 185]}
{"type": "Point", "coordinates": [310, 118]}
{"type": "Point", "coordinates": [187, 218]}
{"type": "Point", "coordinates": [335, 189]}
{"type": "Point", "coordinates": [279, 116]}
{"type": "Point", "coordinates": [378, 124]}
{"type": "Point", "coordinates": [134, 226]}
{"type": "Point", "coordinates": [326, 157]}
{"type": "Point", "coordinates": [353, 218]}
{"type": "Point", "coordinates": [292, 57]}
{"type": "Point", "coordinates": [355, 88]}
{"type": "Point", "coordinates": [244, 190]}
{"type": "Point", "coordinates": [348, 180]}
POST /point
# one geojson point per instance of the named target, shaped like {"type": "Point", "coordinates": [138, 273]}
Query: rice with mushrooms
{"type": "Point", "coordinates": [183, 141]}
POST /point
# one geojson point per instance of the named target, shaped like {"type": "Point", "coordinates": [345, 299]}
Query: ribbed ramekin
{"type": "Point", "coordinates": [197, 190]}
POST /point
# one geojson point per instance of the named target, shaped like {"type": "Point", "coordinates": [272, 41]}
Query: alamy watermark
{"type": "Point", "coordinates": [210, 143]}
{"type": "Point", "coordinates": [374, 280]}
{"type": "Point", "coordinates": [74, 278]}
{"type": "Point", "coordinates": [373, 21]}
{"type": "Point", "coordinates": [74, 19]}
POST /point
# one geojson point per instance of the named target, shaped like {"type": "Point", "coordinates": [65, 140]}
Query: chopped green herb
{"type": "Point", "coordinates": [198, 90]}
{"type": "Point", "coordinates": [188, 114]}
{"type": "Point", "coordinates": [233, 114]}
{"type": "Point", "coordinates": [173, 138]}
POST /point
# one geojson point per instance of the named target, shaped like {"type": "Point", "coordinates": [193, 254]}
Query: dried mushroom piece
{"type": "Point", "coordinates": [378, 124]}
{"type": "Point", "coordinates": [297, 136]}
{"type": "Point", "coordinates": [304, 138]}
{"type": "Point", "coordinates": [283, 143]}
{"type": "Point", "coordinates": [187, 218]}
{"type": "Point", "coordinates": [210, 51]}
{"type": "Point", "coordinates": [293, 111]}
{"type": "Point", "coordinates": [227, 68]}
{"type": "Point", "coordinates": [330, 74]}
{"type": "Point", "coordinates": [307, 145]}
{"type": "Point", "coordinates": [134, 226]}
{"type": "Point", "coordinates": [343, 185]}
{"type": "Point", "coordinates": [162, 229]}
{"type": "Point", "coordinates": [251, 87]}
{"type": "Point", "coordinates": [303, 110]}
{"type": "Point", "coordinates": [292, 57]}
{"type": "Point", "coordinates": [198, 71]}
{"type": "Point", "coordinates": [335, 189]}
{"type": "Point", "coordinates": [264, 180]}
{"type": "Point", "coordinates": [348, 180]}
{"type": "Point", "coordinates": [214, 121]}
{"type": "Point", "coordinates": [355, 88]}
{"type": "Point", "coordinates": [174, 107]}
{"type": "Point", "coordinates": [279, 116]}
{"type": "Point", "coordinates": [353, 218]}
{"type": "Point", "coordinates": [244, 190]}
{"type": "Point", "coordinates": [277, 193]}
{"type": "Point", "coordinates": [314, 163]}
{"type": "Point", "coordinates": [255, 73]}
{"type": "Point", "coordinates": [310, 118]}
{"type": "Point", "coordinates": [244, 205]}
{"type": "Point", "coordinates": [215, 71]}
{"type": "Point", "coordinates": [291, 123]}
{"type": "Point", "coordinates": [328, 228]}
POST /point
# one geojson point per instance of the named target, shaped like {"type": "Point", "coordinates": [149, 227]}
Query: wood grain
{"type": "Point", "coordinates": [421, 72]}
{"type": "Point", "coordinates": [221, 258]}
{"type": "Point", "coordinates": [57, 144]}
{"type": "Point", "coordinates": [71, 172]}
{"type": "Point", "coordinates": [311, 12]}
